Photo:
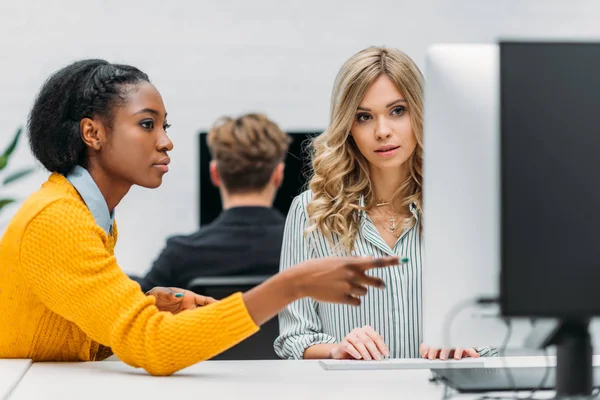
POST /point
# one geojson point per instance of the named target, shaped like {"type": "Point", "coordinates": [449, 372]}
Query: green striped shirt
{"type": "Point", "coordinates": [394, 312]}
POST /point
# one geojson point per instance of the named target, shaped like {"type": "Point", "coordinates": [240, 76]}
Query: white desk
{"type": "Point", "coordinates": [228, 380]}
{"type": "Point", "coordinates": [11, 371]}
{"type": "Point", "coordinates": [221, 380]}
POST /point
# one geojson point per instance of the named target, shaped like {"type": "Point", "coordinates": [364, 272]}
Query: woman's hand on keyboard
{"type": "Point", "coordinates": [362, 343]}
{"type": "Point", "coordinates": [444, 354]}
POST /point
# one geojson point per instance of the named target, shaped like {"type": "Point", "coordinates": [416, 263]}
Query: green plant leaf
{"type": "Point", "coordinates": [5, 202]}
{"type": "Point", "coordinates": [10, 149]}
{"type": "Point", "coordinates": [15, 176]}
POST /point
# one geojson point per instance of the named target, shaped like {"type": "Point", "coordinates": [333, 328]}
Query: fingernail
{"type": "Point", "coordinates": [404, 260]}
{"type": "Point", "coordinates": [178, 295]}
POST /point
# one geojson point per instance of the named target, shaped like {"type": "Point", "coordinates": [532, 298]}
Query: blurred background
{"type": "Point", "coordinates": [210, 58]}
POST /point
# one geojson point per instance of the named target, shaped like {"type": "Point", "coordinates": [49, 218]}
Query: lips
{"type": "Point", "coordinates": [384, 149]}
{"type": "Point", "coordinates": [164, 161]}
{"type": "Point", "coordinates": [163, 164]}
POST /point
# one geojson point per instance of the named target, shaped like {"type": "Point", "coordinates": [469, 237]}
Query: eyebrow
{"type": "Point", "coordinates": [149, 110]}
{"type": "Point", "coordinates": [387, 105]}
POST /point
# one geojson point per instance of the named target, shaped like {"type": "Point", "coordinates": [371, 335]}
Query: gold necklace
{"type": "Point", "coordinates": [391, 228]}
{"type": "Point", "coordinates": [382, 203]}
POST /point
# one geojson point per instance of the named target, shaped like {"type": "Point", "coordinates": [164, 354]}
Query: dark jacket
{"type": "Point", "coordinates": [241, 241]}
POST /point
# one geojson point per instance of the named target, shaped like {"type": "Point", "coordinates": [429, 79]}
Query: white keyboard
{"type": "Point", "coordinates": [400, 363]}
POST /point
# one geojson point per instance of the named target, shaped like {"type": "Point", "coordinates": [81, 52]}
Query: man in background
{"type": "Point", "coordinates": [247, 166]}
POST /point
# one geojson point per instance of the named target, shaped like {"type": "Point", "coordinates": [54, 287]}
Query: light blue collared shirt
{"type": "Point", "coordinates": [81, 179]}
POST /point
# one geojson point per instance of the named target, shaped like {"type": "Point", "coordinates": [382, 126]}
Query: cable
{"type": "Point", "coordinates": [461, 306]}
{"type": "Point", "coordinates": [484, 301]}
{"type": "Point", "coordinates": [502, 355]}
{"type": "Point", "coordinates": [447, 327]}
{"type": "Point", "coordinates": [452, 314]}
{"type": "Point", "coordinates": [446, 395]}
{"type": "Point", "coordinates": [501, 352]}
{"type": "Point", "coordinates": [436, 379]}
{"type": "Point", "coordinates": [508, 370]}
{"type": "Point", "coordinates": [545, 377]}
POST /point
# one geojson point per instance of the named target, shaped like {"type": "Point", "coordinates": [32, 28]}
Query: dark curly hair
{"type": "Point", "coordinates": [84, 89]}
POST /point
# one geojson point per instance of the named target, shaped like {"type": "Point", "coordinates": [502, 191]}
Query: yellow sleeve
{"type": "Point", "coordinates": [64, 256]}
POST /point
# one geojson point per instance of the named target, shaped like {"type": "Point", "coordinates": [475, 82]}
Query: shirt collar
{"type": "Point", "coordinates": [83, 182]}
{"type": "Point", "coordinates": [414, 210]}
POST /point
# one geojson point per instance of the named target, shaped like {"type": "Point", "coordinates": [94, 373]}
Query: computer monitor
{"type": "Point", "coordinates": [550, 157]}
{"type": "Point", "coordinates": [461, 196]}
{"type": "Point", "coordinates": [509, 194]}
{"type": "Point", "coordinates": [550, 196]}
{"type": "Point", "coordinates": [297, 166]}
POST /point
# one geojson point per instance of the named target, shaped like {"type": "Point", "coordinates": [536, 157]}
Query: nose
{"type": "Point", "coordinates": [164, 143]}
{"type": "Point", "coordinates": [382, 129]}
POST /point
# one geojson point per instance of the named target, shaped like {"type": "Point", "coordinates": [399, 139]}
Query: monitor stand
{"type": "Point", "coordinates": [574, 376]}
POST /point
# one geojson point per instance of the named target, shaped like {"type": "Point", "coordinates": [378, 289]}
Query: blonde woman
{"type": "Point", "coordinates": [365, 198]}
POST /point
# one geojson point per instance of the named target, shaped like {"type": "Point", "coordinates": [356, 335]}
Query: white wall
{"type": "Point", "coordinates": [215, 57]}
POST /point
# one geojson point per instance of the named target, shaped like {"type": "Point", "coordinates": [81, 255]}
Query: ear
{"type": "Point", "coordinates": [92, 133]}
{"type": "Point", "coordinates": [214, 174]}
{"type": "Point", "coordinates": [277, 175]}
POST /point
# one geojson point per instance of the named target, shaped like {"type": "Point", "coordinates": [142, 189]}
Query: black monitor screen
{"type": "Point", "coordinates": [550, 164]}
{"type": "Point", "coordinates": [297, 166]}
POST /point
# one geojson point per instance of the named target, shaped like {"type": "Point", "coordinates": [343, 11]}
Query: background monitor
{"type": "Point", "coordinates": [297, 166]}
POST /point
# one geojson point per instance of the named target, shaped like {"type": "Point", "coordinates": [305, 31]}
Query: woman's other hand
{"type": "Point", "coordinates": [175, 300]}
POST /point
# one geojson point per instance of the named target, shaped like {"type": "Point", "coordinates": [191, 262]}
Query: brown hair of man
{"type": "Point", "coordinates": [246, 152]}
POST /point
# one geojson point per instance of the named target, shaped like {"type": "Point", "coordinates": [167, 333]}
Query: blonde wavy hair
{"type": "Point", "coordinates": [340, 173]}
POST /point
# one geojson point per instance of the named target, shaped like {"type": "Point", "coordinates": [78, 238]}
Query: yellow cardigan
{"type": "Point", "coordinates": [64, 298]}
